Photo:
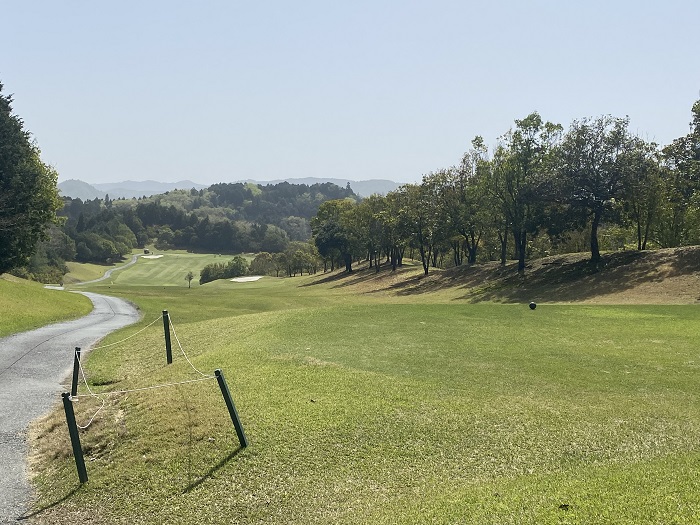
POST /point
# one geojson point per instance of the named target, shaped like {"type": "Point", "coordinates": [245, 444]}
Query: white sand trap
{"type": "Point", "coordinates": [152, 256]}
{"type": "Point", "coordinates": [248, 279]}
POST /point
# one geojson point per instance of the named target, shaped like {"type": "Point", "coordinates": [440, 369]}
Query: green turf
{"type": "Point", "coordinates": [366, 410]}
{"type": "Point", "coordinates": [26, 305]}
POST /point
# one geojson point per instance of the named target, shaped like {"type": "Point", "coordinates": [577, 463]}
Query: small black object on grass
{"type": "Point", "coordinates": [533, 305]}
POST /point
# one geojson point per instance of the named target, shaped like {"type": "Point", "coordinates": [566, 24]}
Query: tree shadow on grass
{"type": "Point", "coordinates": [362, 274]}
{"type": "Point", "coordinates": [212, 471]}
{"type": "Point", "coordinates": [564, 279]}
{"type": "Point", "coordinates": [560, 278]}
{"type": "Point", "coordinates": [48, 506]}
{"type": "Point", "coordinates": [331, 277]}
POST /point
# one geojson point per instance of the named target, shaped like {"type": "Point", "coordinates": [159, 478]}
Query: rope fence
{"type": "Point", "coordinates": [183, 350]}
{"type": "Point", "coordinates": [127, 338]}
{"type": "Point", "coordinates": [103, 395]}
{"type": "Point", "coordinates": [70, 397]}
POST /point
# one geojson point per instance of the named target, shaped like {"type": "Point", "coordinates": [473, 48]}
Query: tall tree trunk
{"type": "Point", "coordinates": [520, 245]}
{"type": "Point", "coordinates": [471, 249]}
{"type": "Point", "coordinates": [639, 232]}
{"type": "Point", "coordinates": [647, 229]}
{"type": "Point", "coordinates": [347, 258]}
{"type": "Point", "coordinates": [457, 252]}
{"type": "Point", "coordinates": [503, 238]}
{"type": "Point", "coordinates": [595, 249]}
{"type": "Point", "coordinates": [424, 259]}
{"type": "Point", "coordinates": [433, 257]}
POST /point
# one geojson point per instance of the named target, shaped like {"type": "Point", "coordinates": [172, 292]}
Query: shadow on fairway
{"type": "Point", "coordinates": [559, 278]}
{"type": "Point", "coordinates": [50, 505]}
{"type": "Point", "coordinates": [212, 471]}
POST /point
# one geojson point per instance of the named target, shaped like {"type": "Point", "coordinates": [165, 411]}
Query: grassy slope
{"type": "Point", "coordinates": [386, 407]}
{"type": "Point", "coordinates": [26, 305]}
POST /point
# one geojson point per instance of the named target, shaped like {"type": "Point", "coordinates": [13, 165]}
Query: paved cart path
{"type": "Point", "coordinates": [33, 367]}
{"type": "Point", "coordinates": [108, 273]}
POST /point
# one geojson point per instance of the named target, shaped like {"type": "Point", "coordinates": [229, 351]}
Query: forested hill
{"type": "Point", "coordinates": [224, 218]}
{"type": "Point", "coordinates": [128, 189]}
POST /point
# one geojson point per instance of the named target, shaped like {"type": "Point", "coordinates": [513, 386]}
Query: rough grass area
{"type": "Point", "coordinates": [367, 404]}
{"type": "Point", "coordinates": [26, 305]}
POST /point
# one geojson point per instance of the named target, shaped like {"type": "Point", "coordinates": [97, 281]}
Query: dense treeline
{"type": "Point", "coordinates": [540, 191]}
{"type": "Point", "coordinates": [225, 218]}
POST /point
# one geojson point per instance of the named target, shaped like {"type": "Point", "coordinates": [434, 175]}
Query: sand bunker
{"type": "Point", "coordinates": [151, 256]}
{"type": "Point", "coordinates": [248, 279]}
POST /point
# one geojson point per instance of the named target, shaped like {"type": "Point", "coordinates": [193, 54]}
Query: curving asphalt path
{"type": "Point", "coordinates": [108, 273]}
{"type": "Point", "coordinates": [33, 366]}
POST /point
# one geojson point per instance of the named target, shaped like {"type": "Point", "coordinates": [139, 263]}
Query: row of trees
{"type": "Point", "coordinates": [236, 267]}
{"type": "Point", "coordinates": [297, 258]}
{"type": "Point", "coordinates": [211, 220]}
{"type": "Point", "coordinates": [541, 190]}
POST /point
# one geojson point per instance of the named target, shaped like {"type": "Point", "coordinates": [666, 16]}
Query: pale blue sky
{"type": "Point", "coordinates": [223, 91]}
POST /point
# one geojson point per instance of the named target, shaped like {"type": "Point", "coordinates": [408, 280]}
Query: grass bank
{"type": "Point", "coordinates": [26, 305]}
{"type": "Point", "coordinates": [371, 408]}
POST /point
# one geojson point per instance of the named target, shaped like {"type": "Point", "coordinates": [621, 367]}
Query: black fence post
{"type": "Point", "coordinates": [231, 407]}
{"type": "Point", "coordinates": [76, 370]}
{"type": "Point", "coordinates": [74, 437]}
{"type": "Point", "coordinates": [166, 328]}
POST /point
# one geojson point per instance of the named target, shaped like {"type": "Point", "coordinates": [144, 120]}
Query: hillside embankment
{"type": "Point", "coordinates": [667, 276]}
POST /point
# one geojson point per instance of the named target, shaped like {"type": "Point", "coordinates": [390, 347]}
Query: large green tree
{"type": "Point", "coordinates": [333, 235]}
{"type": "Point", "coordinates": [680, 210]}
{"type": "Point", "coordinates": [426, 218]}
{"type": "Point", "coordinates": [28, 195]}
{"type": "Point", "coordinates": [595, 158]}
{"type": "Point", "coordinates": [521, 171]}
{"type": "Point", "coordinates": [643, 190]}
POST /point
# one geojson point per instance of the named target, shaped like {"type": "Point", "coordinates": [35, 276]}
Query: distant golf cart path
{"type": "Point", "coordinates": [33, 366]}
{"type": "Point", "coordinates": [108, 273]}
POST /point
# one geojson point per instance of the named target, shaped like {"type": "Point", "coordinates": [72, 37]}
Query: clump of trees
{"type": "Point", "coordinates": [28, 195]}
{"type": "Point", "coordinates": [540, 191]}
{"type": "Point", "coordinates": [297, 258]}
{"type": "Point", "coordinates": [236, 267]}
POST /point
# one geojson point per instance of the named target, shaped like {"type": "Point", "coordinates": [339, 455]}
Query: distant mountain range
{"type": "Point", "coordinates": [78, 189]}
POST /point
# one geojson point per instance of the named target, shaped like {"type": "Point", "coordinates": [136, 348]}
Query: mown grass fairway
{"type": "Point", "coordinates": [168, 270]}
{"type": "Point", "coordinates": [363, 409]}
{"type": "Point", "coordinates": [26, 305]}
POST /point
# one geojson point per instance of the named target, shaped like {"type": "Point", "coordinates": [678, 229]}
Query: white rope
{"type": "Point", "coordinates": [154, 387]}
{"type": "Point", "coordinates": [132, 335]}
{"type": "Point", "coordinates": [142, 389]}
{"type": "Point", "coordinates": [82, 372]}
{"type": "Point", "coordinates": [183, 351]}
